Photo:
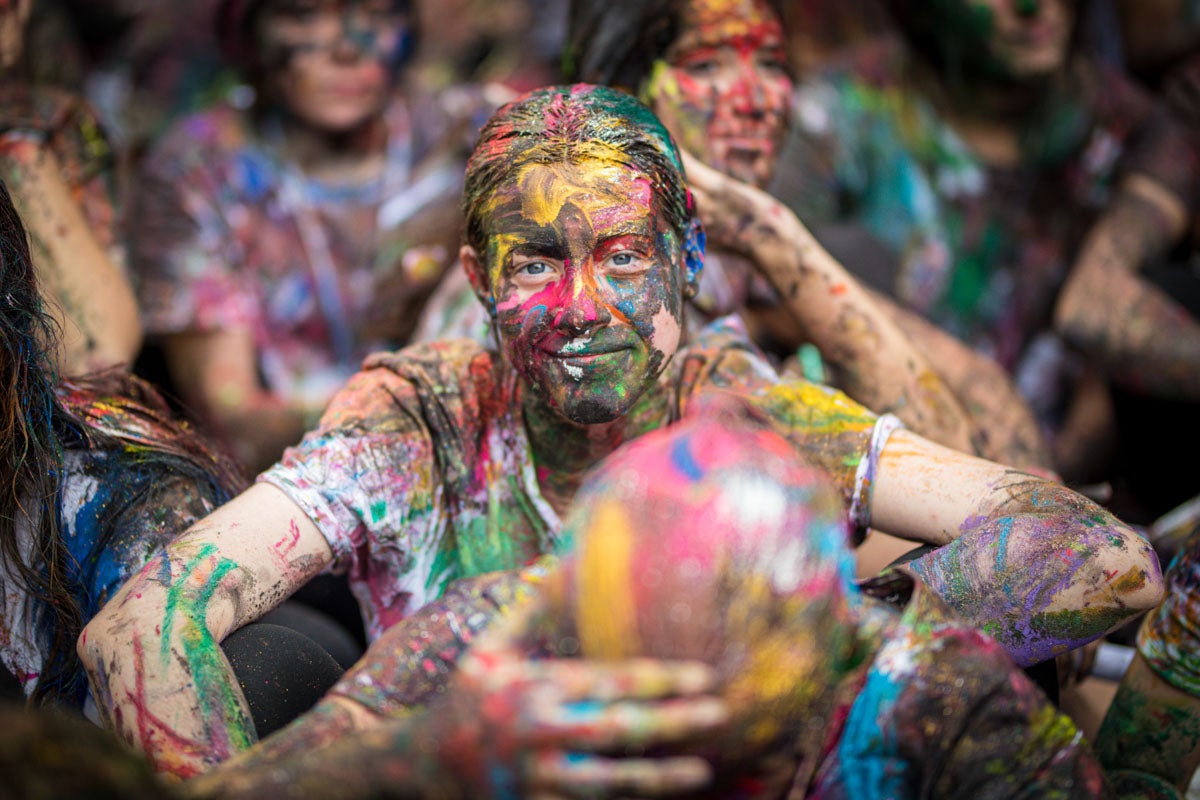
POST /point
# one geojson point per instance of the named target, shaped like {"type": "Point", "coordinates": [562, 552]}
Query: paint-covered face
{"type": "Point", "coordinates": [1022, 38]}
{"type": "Point", "coordinates": [585, 273]}
{"type": "Point", "coordinates": [331, 62]}
{"type": "Point", "coordinates": [723, 87]}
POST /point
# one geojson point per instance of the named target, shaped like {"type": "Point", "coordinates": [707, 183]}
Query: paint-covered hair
{"type": "Point", "coordinates": [39, 420]}
{"type": "Point", "coordinates": [569, 123]}
{"type": "Point", "coordinates": [616, 42]}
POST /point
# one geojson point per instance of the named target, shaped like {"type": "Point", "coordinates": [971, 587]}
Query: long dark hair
{"type": "Point", "coordinates": [32, 422]}
{"type": "Point", "coordinates": [616, 42]}
{"type": "Point", "coordinates": [40, 418]}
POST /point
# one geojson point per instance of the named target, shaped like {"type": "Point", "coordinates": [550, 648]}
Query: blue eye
{"type": "Point", "coordinates": [622, 259]}
{"type": "Point", "coordinates": [534, 268]}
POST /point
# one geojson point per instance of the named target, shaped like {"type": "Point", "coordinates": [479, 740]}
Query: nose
{"type": "Point", "coordinates": [582, 308]}
{"type": "Point", "coordinates": [748, 92]}
{"type": "Point", "coordinates": [355, 38]}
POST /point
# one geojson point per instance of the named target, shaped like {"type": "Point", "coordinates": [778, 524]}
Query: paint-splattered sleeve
{"type": "Point", "coordinates": [372, 476]}
{"type": "Point", "coordinates": [184, 250]}
{"type": "Point", "coordinates": [366, 471]}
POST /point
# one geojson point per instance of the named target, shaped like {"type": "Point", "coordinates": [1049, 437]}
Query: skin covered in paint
{"type": "Point", "coordinates": [1153, 724]}
{"type": "Point", "coordinates": [586, 279]}
{"type": "Point", "coordinates": [254, 551]}
{"type": "Point", "coordinates": [723, 89]}
{"type": "Point", "coordinates": [51, 149]}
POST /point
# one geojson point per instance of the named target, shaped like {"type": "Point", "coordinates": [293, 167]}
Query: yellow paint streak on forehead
{"type": "Point", "coordinates": [729, 18]}
{"type": "Point", "coordinates": [606, 612]}
{"type": "Point", "coordinates": [546, 188]}
{"type": "Point", "coordinates": [595, 177]}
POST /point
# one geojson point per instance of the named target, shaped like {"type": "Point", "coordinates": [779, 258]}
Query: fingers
{"type": "Point", "coordinates": [566, 775]}
{"type": "Point", "coordinates": [623, 725]}
{"type": "Point", "coordinates": [632, 679]}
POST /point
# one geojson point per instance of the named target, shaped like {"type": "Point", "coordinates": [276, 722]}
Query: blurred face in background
{"type": "Point", "coordinates": [723, 87]}
{"type": "Point", "coordinates": [332, 63]}
{"type": "Point", "coordinates": [1014, 39]}
{"type": "Point", "coordinates": [13, 16]}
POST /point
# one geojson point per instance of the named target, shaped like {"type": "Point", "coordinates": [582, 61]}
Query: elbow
{"type": "Point", "coordinates": [1070, 322]}
{"type": "Point", "coordinates": [1133, 575]}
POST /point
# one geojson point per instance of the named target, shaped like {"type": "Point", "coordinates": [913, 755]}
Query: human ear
{"type": "Point", "coordinates": [476, 271]}
{"type": "Point", "coordinates": [693, 257]}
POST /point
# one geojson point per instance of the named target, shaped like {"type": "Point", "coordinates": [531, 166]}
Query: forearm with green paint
{"type": "Point", "coordinates": [156, 667]}
{"type": "Point", "coordinates": [1043, 570]}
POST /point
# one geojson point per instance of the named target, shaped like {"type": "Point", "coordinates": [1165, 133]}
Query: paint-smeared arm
{"type": "Point", "coordinates": [153, 652]}
{"type": "Point", "coordinates": [1040, 568]}
{"type": "Point", "coordinates": [1135, 331]}
{"type": "Point", "coordinates": [404, 669]}
{"type": "Point", "coordinates": [1007, 431]}
{"type": "Point", "coordinates": [1153, 724]}
{"type": "Point", "coordinates": [501, 725]}
{"type": "Point", "coordinates": [88, 294]}
{"type": "Point", "coordinates": [881, 368]}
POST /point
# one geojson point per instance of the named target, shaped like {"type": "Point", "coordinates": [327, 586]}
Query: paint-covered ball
{"type": "Point", "coordinates": [711, 541]}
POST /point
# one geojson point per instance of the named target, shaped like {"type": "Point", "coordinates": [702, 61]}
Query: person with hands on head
{"type": "Point", "coordinates": [447, 460]}
{"type": "Point", "coordinates": [716, 73]}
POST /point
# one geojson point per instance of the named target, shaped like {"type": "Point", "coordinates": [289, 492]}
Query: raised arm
{"type": "Point", "coordinates": [1007, 431]}
{"type": "Point", "coordinates": [89, 295]}
{"type": "Point", "coordinates": [153, 654]}
{"type": "Point", "coordinates": [1037, 566]}
{"type": "Point", "coordinates": [406, 722]}
{"type": "Point", "coordinates": [881, 367]}
{"type": "Point", "coordinates": [1136, 332]}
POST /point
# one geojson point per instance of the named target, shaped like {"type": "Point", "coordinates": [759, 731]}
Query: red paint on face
{"type": "Point", "coordinates": [723, 88]}
{"type": "Point", "coordinates": [585, 273]}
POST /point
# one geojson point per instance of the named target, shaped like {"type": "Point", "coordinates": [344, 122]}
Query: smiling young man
{"type": "Point", "coordinates": [449, 460]}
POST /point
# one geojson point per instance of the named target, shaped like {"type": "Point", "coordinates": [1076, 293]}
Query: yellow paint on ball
{"type": "Point", "coordinates": [605, 609]}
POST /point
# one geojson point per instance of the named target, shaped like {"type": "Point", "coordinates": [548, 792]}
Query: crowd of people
{"type": "Point", "coordinates": [599, 398]}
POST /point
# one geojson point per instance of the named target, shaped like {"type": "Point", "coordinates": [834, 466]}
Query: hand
{"type": "Point", "coordinates": [565, 728]}
{"type": "Point", "coordinates": [736, 215]}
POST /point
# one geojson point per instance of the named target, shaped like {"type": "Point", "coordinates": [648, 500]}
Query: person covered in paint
{"type": "Point", "coordinates": [450, 459]}
{"type": "Point", "coordinates": [715, 72]}
{"type": "Point", "coordinates": [708, 544]}
{"type": "Point", "coordinates": [98, 478]}
{"type": "Point", "coordinates": [57, 165]}
{"type": "Point", "coordinates": [265, 236]}
{"type": "Point", "coordinates": [1025, 190]}
{"type": "Point", "coordinates": [1153, 724]}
